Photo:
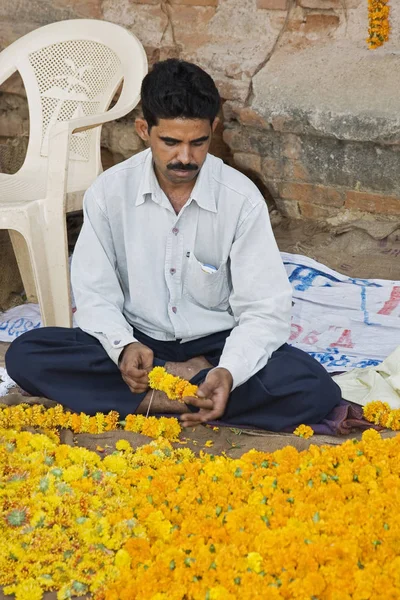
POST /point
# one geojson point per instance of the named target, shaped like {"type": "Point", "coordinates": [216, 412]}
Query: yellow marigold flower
{"type": "Point", "coordinates": [156, 376]}
{"type": "Point", "coordinates": [73, 473]}
{"type": "Point", "coordinates": [115, 463]}
{"type": "Point", "coordinates": [122, 558]}
{"type": "Point", "coordinates": [254, 561]}
{"type": "Point", "coordinates": [123, 445]}
{"type": "Point", "coordinates": [304, 431]}
{"type": "Point", "coordinates": [26, 590]}
{"type": "Point", "coordinates": [209, 444]}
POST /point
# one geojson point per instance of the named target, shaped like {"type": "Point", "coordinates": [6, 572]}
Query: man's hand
{"type": "Point", "coordinates": [135, 365]}
{"type": "Point", "coordinates": [212, 399]}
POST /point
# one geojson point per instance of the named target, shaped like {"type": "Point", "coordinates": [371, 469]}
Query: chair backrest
{"type": "Point", "coordinates": [71, 69]}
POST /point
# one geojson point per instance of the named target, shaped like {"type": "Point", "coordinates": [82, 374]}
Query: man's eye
{"type": "Point", "coordinates": [170, 143]}
{"type": "Point", "coordinates": [198, 143]}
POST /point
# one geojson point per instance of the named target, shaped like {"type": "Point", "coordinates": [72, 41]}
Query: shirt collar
{"type": "Point", "coordinates": [203, 192]}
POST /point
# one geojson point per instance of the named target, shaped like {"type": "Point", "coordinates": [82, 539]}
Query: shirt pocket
{"type": "Point", "coordinates": [210, 290]}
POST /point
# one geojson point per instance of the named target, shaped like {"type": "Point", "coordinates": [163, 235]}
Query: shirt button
{"type": "Point", "coordinates": [174, 309]}
{"type": "Point", "coordinates": [172, 271]}
{"type": "Point", "coordinates": [116, 342]}
{"type": "Point", "coordinates": [175, 231]}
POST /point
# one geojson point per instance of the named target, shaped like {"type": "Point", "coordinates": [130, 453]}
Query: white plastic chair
{"type": "Point", "coordinates": [71, 71]}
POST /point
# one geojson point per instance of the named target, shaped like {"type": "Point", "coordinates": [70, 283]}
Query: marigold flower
{"type": "Point", "coordinates": [304, 431]}
{"type": "Point", "coordinates": [123, 445]}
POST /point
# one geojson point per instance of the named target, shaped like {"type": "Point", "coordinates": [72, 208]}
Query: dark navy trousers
{"type": "Point", "coordinates": [72, 368]}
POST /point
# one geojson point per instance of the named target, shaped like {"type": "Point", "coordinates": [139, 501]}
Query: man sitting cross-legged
{"type": "Point", "coordinates": [176, 265]}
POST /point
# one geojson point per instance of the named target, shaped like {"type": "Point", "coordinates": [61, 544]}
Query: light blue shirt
{"type": "Point", "coordinates": [138, 263]}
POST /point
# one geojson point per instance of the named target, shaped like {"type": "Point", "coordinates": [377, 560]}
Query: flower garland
{"type": "Point", "coordinates": [379, 26]}
{"type": "Point", "coordinates": [22, 415]}
{"type": "Point", "coordinates": [380, 413]}
{"type": "Point", "coordinates": [176, 388]}
{"type": "Point", "coordinates": [159, 523]}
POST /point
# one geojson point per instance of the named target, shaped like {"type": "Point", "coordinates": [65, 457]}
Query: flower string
{"type": "Point", "coordinates": [380, 413]}
{"type": "Point", "coordinates": [379, 27]}
{"type": "Point", "coordinates": [22, 415]}
{"type": "Point", "coordinates": [176, 388]}
{"type": "Point", "coordinates": [158, 523]}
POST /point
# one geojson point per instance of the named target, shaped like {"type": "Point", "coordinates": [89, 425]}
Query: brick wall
{"type": "Point", "coordinates": [297, 158]}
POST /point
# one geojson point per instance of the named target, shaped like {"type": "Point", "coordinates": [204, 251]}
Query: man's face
{"type": "Point", "coordinates": [179, 146]}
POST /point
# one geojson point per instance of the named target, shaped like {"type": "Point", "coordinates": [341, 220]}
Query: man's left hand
{"type": "Point", "coordinates": [212, 398]}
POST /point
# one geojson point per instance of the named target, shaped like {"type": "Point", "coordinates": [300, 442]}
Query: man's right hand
{"type": "Point", "coordinates": [135, 365]}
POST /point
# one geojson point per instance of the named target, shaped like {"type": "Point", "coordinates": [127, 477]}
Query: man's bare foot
{"type": "Point", "coordinates": [160, 403]}
{"type": "Point", "coordinates": [189, 368]}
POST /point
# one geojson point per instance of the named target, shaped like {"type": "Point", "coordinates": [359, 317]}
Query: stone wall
{"type": "Point", "coordinates": [308, 111]}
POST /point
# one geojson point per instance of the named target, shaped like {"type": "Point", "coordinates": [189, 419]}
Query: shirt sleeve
{"type": "Point", "coordinates": [261, 298]}
{"type": "Point", "coordinates": [97, 290]}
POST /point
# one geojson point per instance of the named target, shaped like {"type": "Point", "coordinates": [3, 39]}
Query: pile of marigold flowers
{"type": "Point", "coordinates": [51, 419]}
{"type": "Point", "coordinates": [379, 26]}
{"type": "Point", "coordinates": [162, 524]}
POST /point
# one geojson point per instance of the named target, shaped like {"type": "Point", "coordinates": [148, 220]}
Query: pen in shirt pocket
{"type": "Point", "coordinates": [205, 266]}
{"type": "Point", "coordinates": [208, 268]}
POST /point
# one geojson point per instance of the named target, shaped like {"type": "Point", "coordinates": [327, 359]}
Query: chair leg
{"type": "Point", "coordinates": [49, 252]}
{"type": "Point", "coordinates": [24, 264]}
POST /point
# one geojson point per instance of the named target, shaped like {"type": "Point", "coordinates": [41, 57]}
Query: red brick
{"type": "Point", "coordinates": [314, 194]}
{"type": "Point", "coordinates": [292, 147]}
{"type": "Point", "coordinates": [375, 203]}
{"type": "Point", "coordinates": [248, 162]}
{"type": "Point", "coordinates": [294, 170]}
{"type": "Point", "coordinates": [249, 117]}
{"type": "Point", "coordinates": [272, 4]}
{"type": "Point", "coordinates": [232, 89]}
{"type": "Point", "coordinates": [316, 212]}
{"type": "Point", "coordinates": [323, 4]}
{"type": "Point", "coordinates": [320, 22]}
{"type": "Point", "coordinates": [300, 172]}
{"type": "Point", "coordinates": [195, 2]}
{"type": "Point", "coordinates": [289, 208]}
{"type": "Point", "coordinates": [271, 168]}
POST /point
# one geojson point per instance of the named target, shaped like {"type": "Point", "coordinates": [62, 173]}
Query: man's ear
{"type": "Point", "coordinates": [142, 129]}
{"type": "Point", "coordinates": [215, 124]}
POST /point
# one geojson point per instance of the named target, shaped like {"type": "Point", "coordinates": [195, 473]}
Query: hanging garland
{"type": "Point", "coordinates": [379, 27]}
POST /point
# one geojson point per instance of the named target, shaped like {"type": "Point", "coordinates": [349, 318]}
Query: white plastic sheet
{"type": "Point", "coordinates": [344, 322]}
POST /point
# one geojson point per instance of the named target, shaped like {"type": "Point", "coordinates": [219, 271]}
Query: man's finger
{"type": "Point", "coordinates": [136, 387]}
{"type": "Point", "coordinates": [199, 402]}
{"type": "Point", "coordinates": [193, 419]}
{"type": "Point", "coordinates": [136, 373]}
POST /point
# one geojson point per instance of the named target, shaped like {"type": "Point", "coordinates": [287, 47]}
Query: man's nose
{"type": "Point", "coordinates": [184, 154]}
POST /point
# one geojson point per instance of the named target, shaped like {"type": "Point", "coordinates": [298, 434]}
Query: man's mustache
{"type": "Point", "coordinates": [182, 167]}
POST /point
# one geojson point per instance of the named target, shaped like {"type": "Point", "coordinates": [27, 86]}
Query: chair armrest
{"type": "Point", "coordinates": [59, 142]}
{"type": "Point", "coordinates": [6, 68]}
{"type": "Point", "coordinates": [122, 107]}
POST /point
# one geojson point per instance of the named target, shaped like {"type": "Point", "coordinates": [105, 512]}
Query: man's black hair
{"type": "Point", "coordinates": [178, 89]}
